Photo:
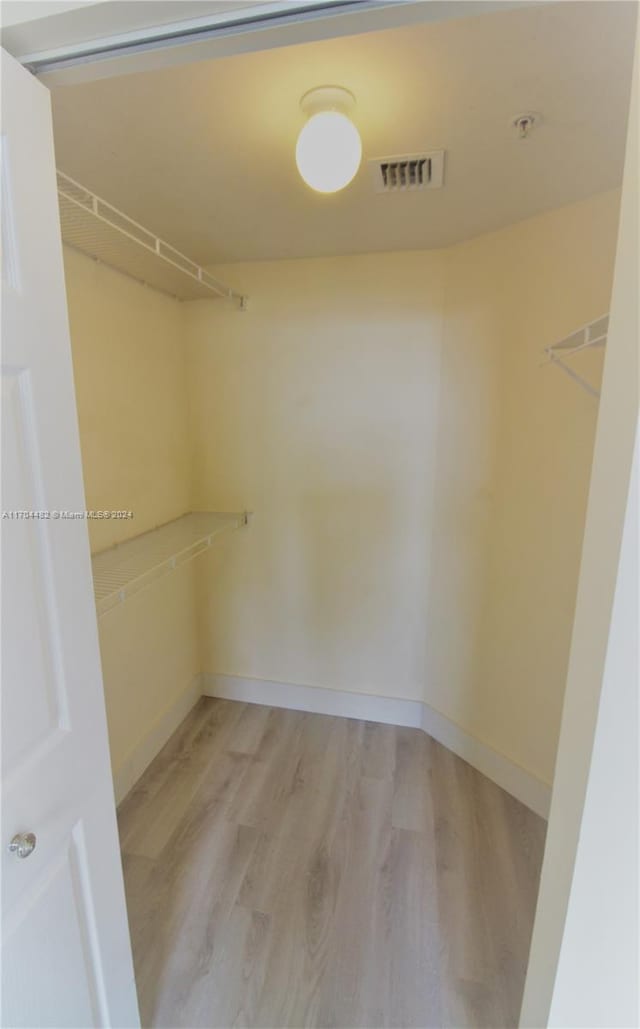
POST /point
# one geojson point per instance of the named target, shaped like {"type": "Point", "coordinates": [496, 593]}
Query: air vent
{"type": "Point", "coordinates": [408, 172]}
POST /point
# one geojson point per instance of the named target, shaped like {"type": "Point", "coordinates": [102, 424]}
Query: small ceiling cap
{"type": "Point", "coordinates": [328, 151]}
{"type": "Point", "coordinates": [524, 124]}
{"type": "Point", "coordinates": [328, 98]}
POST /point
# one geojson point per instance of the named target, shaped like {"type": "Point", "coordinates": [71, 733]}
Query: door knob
{"type": "Point", "coordinates": [23, 844]}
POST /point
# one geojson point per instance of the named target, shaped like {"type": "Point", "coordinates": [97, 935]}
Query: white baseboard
{"type": "Point", "coordinates": [521, 784]}
{"type": "Point", "coordinates": [317, 699]}
{"type": "Point", "coordinates": [128, 773]}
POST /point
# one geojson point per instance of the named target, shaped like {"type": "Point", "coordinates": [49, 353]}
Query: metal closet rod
{"type": "Point", "coordinates": [566, 348]}
{"type": "Point", "coordinates": [91, 204]}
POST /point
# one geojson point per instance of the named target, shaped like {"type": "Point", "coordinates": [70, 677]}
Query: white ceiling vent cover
{"type": "Point", "coordinates": [408, 172]}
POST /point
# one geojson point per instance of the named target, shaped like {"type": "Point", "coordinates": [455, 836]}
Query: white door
{"type": "Point", "coordinates": [66, 955]}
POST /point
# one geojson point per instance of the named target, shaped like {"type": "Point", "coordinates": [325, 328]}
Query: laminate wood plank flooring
{"type": "Point", "coordinates": [286, 869]}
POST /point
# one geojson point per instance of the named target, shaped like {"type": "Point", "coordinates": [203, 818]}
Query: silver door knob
{"type": "Point", "coordinates": [23, 844]}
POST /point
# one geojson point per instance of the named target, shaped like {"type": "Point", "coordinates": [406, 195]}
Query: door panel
{"type": "Point", "coordinates": [66, 955]}
{"type": "Point", "coordinates": [44, 913]}
{"type": "Point", "coordinates": [37, 709]}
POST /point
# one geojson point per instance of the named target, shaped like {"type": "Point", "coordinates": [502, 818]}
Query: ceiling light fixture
{"type": "Point", "coordinates": [328, 151]}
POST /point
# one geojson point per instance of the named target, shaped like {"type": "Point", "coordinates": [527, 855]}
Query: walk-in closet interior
{"type": "Point", "coordinates": [348, 437]}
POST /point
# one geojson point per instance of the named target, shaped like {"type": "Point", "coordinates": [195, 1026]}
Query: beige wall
{"type": "Point", "coordinates": [318, 410]}
{"type": "Point", "coordinates": [150, 658]}
{"type": "Point", "coordinates": [129, 369]}
{"type": "Point", "coordinates": [418, 480]}
{"type": "Point", "coordinates": [555, 274]}
{"type": "Point", "coordinates": [464, 471]}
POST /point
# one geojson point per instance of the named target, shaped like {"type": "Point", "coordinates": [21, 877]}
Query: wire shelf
{"type": "Point", "coordinates": [99, 230]}
{"type": "Point", "coordinates": [125, 569]}
{"type": "Point", "coordinates": [594, 334]}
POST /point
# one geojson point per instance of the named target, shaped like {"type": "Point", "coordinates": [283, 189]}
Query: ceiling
{"type": "Point", "coordinates": [203, 154]}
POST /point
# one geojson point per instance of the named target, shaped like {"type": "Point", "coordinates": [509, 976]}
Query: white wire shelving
{"type": "Point", "coordinates": [594, 334]}
{"type": "Point", "coordinates": [99, 230]}
{"type": "Point", "coordinates": [126, 568]}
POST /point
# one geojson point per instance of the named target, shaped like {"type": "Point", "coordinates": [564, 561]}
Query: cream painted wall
{"type": "Point", "coordinates": [150, 658]}
{"type": "Point", "coordinates": [132, 399]}
{"type": "Point", "coordinates": [464, 472]}
{"type": "Point", "coordinates": [318, 409]}
{"type": "Point", "coordinates": [555, 274]}
{"type": "Point", "coordinates": [418, 480]}
{"type": "Point", "coordinates": [130, 375]}
{"type": "Point", "coordinates": [514, 455]}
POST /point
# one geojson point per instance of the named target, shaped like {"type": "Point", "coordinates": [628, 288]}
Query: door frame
{"type": "Point", "coordinates": [114, 48]}
{"type": "Point", "coordinates": [609, 497]}
{"type": "Point", "coordinates": [589, 707]}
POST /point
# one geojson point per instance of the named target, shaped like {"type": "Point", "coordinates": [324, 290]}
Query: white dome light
{"type": "Point", "coordinates": [328, 151]}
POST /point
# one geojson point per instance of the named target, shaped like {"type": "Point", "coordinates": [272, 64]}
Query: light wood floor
{"type": "Point", "coordinates": [289, 869]}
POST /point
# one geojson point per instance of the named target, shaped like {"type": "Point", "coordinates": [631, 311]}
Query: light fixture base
{"type": "Point", "coordinates": [327, 98]}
